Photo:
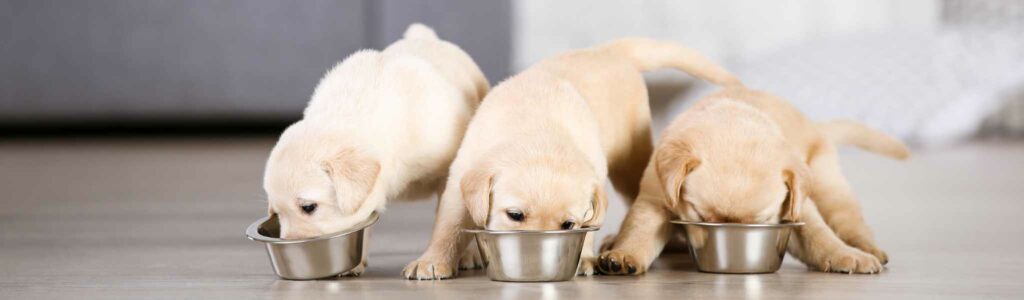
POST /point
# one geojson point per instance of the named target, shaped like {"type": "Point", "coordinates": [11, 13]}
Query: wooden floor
{"type": "Point", "coordinates": [164, 218]}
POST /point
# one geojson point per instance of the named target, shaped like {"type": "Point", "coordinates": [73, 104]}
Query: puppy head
{"type": "Point", "coordinates": [755, 185]}
{"type": "Point", "coordinates": [316, 186]}
{"type": "Point", "coordinates": [534, 196]}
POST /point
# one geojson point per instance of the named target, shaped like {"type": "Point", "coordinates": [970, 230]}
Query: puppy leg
{"type": "Point", "coordinates": [588, 261]}
{"type": "Point", "coordinates": [607, 243]}
{"type": "Point", "coordinates": [472, 258]}
{"type": "Point", "coordinates": [358, 270]}
{"type": "Point", "coordinates": [840, 210]}
{"type": "Point", "coordinates": [447, 241]}
{"type": "Point", "coordinates": [817, 246]}
{"type": "Point", "coordinates": [644, 233]}
{"type": "Point", "coordinates": [627, 173]}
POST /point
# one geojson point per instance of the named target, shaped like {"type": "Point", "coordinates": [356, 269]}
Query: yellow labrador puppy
{"type": "Point", "coordinates": [380, 125]}
{"type": "Point", "coordinates": [743, 156]}
{"type": "Point", "coordinates": [543, 143]}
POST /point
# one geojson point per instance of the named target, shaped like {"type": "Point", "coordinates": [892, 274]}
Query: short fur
{"type": "Point", "coordinates": [743, 156]}
{"type": "Point", "coordinates": [545, 141]}
{"type": "Point", "coordinates": [380, 125]}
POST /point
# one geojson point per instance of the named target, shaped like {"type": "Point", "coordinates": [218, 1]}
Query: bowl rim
{"type": "Point", "coordinates": [252, 232]}
{"type": "Point", "coordinates": [577, 230]}
{"type": "Point", "coordinates": [738, 225]}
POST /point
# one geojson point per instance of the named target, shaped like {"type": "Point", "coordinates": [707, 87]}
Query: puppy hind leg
{"type": "Point", "coordinates": [627, 173]}
{"type": "Point", "coordinates": [838, 207]}
{"type": "Point", "coordinates": [818, 247]}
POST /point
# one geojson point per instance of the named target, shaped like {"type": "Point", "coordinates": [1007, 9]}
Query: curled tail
{"type": "Point", "coordinates": [648, 54]}
{"type": "Point", "coordinates": [857, 134]}
{"type": "Point", "coordinates": [419, 31]}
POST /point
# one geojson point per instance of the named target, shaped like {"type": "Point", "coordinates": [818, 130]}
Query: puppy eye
{"type": "Point", "coordinates": [515, 215]}
{"type": "Point", "coordinates": [308, 208]}
{"type": "Point", "coordinates": [567, 225]}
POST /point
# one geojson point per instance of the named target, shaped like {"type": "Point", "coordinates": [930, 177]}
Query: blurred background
{"type": "Point", "coordinates": [133, 133]}
{"type": "Point", "coordinates": [933, 72]}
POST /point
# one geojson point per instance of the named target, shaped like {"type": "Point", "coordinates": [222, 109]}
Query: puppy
{"type": "Point", "coordinates": [539, 150]}
{"type": "Point", "coordinates": [380, 125]}
{"type": "Point", "coordinates": [743, 156]}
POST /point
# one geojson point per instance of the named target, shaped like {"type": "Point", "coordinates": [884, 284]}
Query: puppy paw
{"type": "Point", "coordinates": [428, 269]}
{"type": "Point", "coordinates": [878, 253]}
{"type": "Point", "coordinates": [851, 260]}
{"type": "Point", "coordinates": [588, 266]}
{"type": "Point", "coordinates": [471, 259]}
{"type": "Point", "coordinates": [618, 262]}
{"type": "Point", "coordinates": [867, 245]}
{"type": "Point", "coordinates": [358, 270]}
{"type": "Point", "coordinates": [608, 242]}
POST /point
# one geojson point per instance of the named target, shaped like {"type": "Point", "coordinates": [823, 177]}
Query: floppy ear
{"type": "Point", "coordinates": [795, 177]}
{"type": "Point", "coordinates": [672, 162]}
{"type": "Point", "coordinates": [353, 176]}
{"type": "Point", "coordinates": [598, 205]}
{"type": "Point", "coordinates": [476, 194]}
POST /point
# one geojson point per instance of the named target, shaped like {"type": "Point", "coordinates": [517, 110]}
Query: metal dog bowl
{"type": "Point", "coordinates": [737, 248]}
{"type": "Point", "coordinates": [319, 257]}
{"type": "Point", "coordinates": [530, 256]}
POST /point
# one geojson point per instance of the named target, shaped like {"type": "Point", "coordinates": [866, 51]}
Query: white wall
{"type": "Point", "coordinates": [723, 30]}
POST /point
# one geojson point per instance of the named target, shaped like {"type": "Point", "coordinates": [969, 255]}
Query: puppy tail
{"type": "Point", "coordinates": [419, 31]}
{"type": "Point", "coordinates": [857, 134]}
{"type": "Point", "coordinates": [648, 54]}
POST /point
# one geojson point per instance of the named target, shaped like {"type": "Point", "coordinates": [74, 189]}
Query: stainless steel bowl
{"type": "Point", "coordinates": [737, 248]}
{"type": "Point", "coordinates": [530, 256]}
{"type": "Point", "coordinates": [319, 257]}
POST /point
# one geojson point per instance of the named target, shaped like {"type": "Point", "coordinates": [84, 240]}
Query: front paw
{"type": "Point", "coordinates": [428, 269]}
{"type": "Point", "coordinates": [867, 245]}
{"type": "Point", "coordinates": [588, 266]}
{"type": "Point", "coordinates": [850, 260]}
{"type": "Point", "coordinates": [358, 270]}
{"type": "Point", "coordinates": [618, 262]}
{"type": "Point", "coordinates": [878, 253]}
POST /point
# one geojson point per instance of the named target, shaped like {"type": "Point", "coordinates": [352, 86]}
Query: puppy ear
{"type": "Point", "coordinates": [672, 162]}
{"type": "Point", "coordinates": [795, 177]}
{"type": "Point", "coordinates": [353, 176]}
{"type": "Point", "coordinates": [476, 194]}
{"type": "Point", "coordinates": [598, 205]}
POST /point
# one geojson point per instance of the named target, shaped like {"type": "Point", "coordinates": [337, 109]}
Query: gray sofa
{"type": "Point", "coordinates": [181, 61]}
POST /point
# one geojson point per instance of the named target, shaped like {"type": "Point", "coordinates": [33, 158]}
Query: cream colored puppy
{"type": "Point", "coordinates": [539, 150]}
{"type": "Point", "coordinates": [380, 125]}
{"type": "Point", "coordinates": [742, 156]}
